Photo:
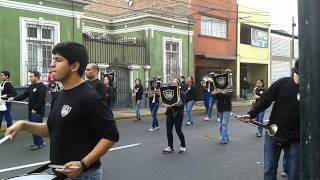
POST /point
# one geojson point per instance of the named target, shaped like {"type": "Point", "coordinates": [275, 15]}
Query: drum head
{"type": "Point", "coordinates": [34, 177]}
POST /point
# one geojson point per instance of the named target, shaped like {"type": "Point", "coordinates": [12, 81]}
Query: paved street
{"type": "Point", "coordinates": [206, 159]}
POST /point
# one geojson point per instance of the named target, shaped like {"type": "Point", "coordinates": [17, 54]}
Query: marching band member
{"type": "Point", "coordinates": [223, 96]}
{"type": "Point", "coordinates": [137, 94]}
{"type": "Point", "coordinates": [175, 118]}
{"type": "Point", "coordinates": [190, 99]}
{"type": "Point", "coordinates": [7, 91]}
{"type": "Point", "coordinates": [81, 131]}
{"type": "Point", "coordinates": [154, 96]}
{"type": "Point", "coordinates": [257, 92]}
{"type": "Point", "coordinates": [286, 115]}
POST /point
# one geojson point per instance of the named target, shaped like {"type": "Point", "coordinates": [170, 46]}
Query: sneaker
{"type": "Point", "coordinates": [207, 119]}
{"type": "Point", "coordinates": [283, 174]}
{"type": "Point", "coordinates": [182, 150]}
{"type": "Point", "coordinates": [218, 119]}
{"type": "Point", "coordinates": [36, 147]}
{"type": "Point", "coordinates": [168, 150]}
{"type": "Point", "coordinates": [151, 129]}
{"type": "Point", "coordinates": [258, 134]}
{"type": "Point", "coordinates": [223, 142]}
{"type": "Point", "coordinates": [156, 128]}
{"type": "Point", "coordinates": [188, 123]}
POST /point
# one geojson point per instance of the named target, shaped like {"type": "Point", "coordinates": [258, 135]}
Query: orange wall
{"type": "Point", "coordinates": [227, 10]}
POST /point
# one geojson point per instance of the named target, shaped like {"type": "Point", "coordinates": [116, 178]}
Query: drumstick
{"type": "Point", "coordinates": [4, 139]}
{"type": "Point", "coordinates": [20, 102]}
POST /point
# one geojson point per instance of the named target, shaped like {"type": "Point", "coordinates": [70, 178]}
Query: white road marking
{"type": "Point", "coordinates": [46, 162]}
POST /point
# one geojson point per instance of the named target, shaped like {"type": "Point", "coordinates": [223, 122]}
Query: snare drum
{"type": "Point", "coordinates": [34, 177]}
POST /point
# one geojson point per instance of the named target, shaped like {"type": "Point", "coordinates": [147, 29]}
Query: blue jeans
{"type": "Point", "coordinates": [36, 118]}
{"type": "Point", "coordinates": [206, 98]}
{"type": "Point", "coordinates": [189, 110]}
{"type": "Point", "coordinates": [138, 107]}
{"type": "Point", "coordinates": [224, 123]}
{"type": "Point", "coordinates": [7, 115]}
{"type": "Point", "coordinates": [285, 163]}
{"type": "Point", "coordinates": [154, 110]}
{"type": "Point", "coordinates": [271, 158]}
{"type": "Point", "coordinates": [95, 174]}
{"type": "Point", "coordinates": [245, 94]}
{"type": "Point", "coordinates": [260, 120]}
{"type": "Point", "coordinates": [211, 103]}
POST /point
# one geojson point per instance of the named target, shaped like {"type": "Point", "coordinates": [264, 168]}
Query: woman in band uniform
{"type": "Point", "coordinates": [137, 93]}
{"type": "Point", "coordinates": [258, 91]}
{"type": "Point", "coordinates": [175, 118]}
{"type": "Point", "coordinates": [153, 105]}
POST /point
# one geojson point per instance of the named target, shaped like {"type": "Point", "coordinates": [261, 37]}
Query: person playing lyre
{"type": "Point", "coordinates": [153, 95]}
{"type": "Point", "coordinates": [175, 118]}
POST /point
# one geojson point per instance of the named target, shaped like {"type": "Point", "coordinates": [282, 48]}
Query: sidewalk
{"type": "Point", "coordinates": [199, 106]}
{"type": "Point", "coordinates": [131, 114]}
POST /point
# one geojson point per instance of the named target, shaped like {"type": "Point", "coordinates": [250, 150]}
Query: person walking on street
{"type": "Point", "coordinates": [286, 115]}
{"type": "Point", "coordinates": [92, 72]}
{"type": "Point", "coordinates": [153, 94]}
{"type": "Point", "coordinates": [81, 131]}
{"type": "Point", "coordinates": [224, 107]}
{"type": "Point", "coordinates": [190, 99]}
{"type": "Point", "coordinates": [110, 92]}
{"type": "Point", "coordinates": [258, 91]}
{"type": "Point", "coordinates": [175, 118]}
{"type": "Point", "coordinates": [7, 91]}
{"type": "Point", "coordinates": [137, 94]}
{"type": "Point", "coordinates": [36, 94]}
{"type": "Point", "coordinates": [244, 88]}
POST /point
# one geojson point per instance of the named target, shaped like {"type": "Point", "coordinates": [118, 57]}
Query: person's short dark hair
{"type": "Point", "coordinates": [73, 52]}
{"type": "Point", "coordinates": [6, 73]}
{"type": "Point", "coordinates": [36, 74]}
{"type": "Point", "coordinates": [95, 67]}
{"type": "Point", "coordinates": [182, 77]}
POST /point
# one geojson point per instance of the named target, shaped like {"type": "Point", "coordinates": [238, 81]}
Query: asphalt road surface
{"type": "Point", "coordinates": [205, 159]}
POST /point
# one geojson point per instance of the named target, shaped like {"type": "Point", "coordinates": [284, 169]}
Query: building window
{"type": "Point", "coordinates": [254, 36]}
{"type": "Point", "coordinates": [214, 27]}
{"type": "Point", "coordinates": [172, 60]}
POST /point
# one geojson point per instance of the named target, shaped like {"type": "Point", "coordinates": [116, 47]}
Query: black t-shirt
{"type": "Point", "coordinates": [285, 112]}
{"type": "Point", "coordinates": [111, 96]}
{"type": "Point", "coordinates": [139, 93]}
{"type": "Point", "coordinates": [78, 120]}
{"type": "Point", "coordinates": [36, 94]}
{"type": "Point", "coordinates": [224, 102]}
{"type": "Point", "coordinates": [156, 97]}
{"type": "Point", "coordinates": [7, 88]}
{"type": "Point", "coordinates": [191, 93]}
{"type": "Point", "coordinates": [259, 92]}
{"type": "Point", "coordinates": [99, 87]}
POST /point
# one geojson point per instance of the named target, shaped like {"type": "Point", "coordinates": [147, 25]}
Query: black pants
{"type": "Point", "coordinates": [177, 122]}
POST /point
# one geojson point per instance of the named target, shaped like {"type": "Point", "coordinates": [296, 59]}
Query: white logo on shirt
{"type": "Point", "coordinates": [65, 110]}
{"type": "Point", "coordinates": [298, 96]}
{"type": "Point", "coordinates": [34, 89]}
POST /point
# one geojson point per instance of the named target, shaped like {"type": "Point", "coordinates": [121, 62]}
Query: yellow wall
{"type": "Point", "coordinates": [248, 53]}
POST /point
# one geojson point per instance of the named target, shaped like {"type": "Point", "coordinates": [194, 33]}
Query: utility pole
{"type": "Point", "coordinates": [309, 41]}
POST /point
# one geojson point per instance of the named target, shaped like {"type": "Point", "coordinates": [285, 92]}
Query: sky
{"type": "Point", "coordinates": [281, 12]}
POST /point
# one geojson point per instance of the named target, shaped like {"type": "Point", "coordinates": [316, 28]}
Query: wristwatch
{"type": "Point", "coordinates": [83, 164]}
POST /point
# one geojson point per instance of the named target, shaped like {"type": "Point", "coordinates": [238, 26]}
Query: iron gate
{"type": "Point", "coordinates": [118, 53]}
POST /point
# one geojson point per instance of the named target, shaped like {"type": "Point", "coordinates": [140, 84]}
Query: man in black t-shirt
{"type": "Point", "coordinates": [81, 131]}
{"type": "Point", "coordinates": [36, 94]}
{"type": "Point", "coordinates": [92, 71]}
{"type": "Point", "coordinates": [286, 115]}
